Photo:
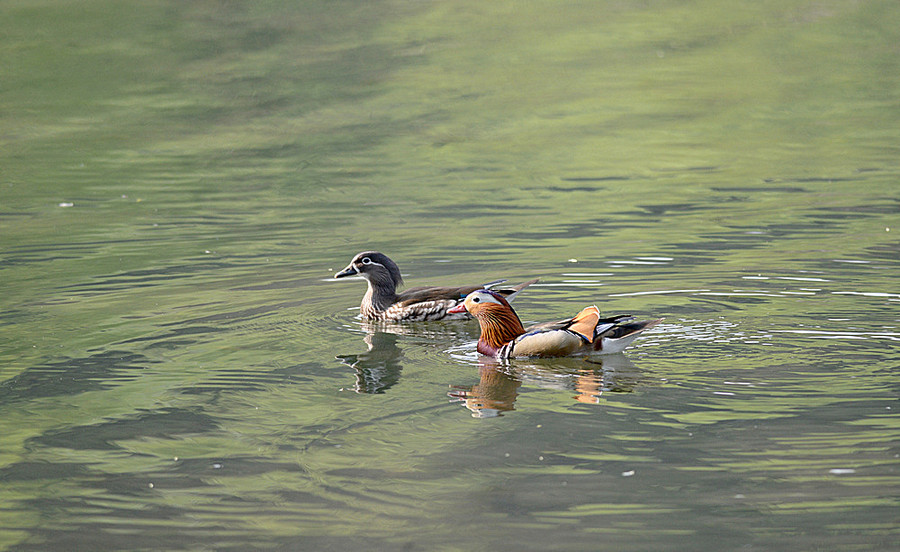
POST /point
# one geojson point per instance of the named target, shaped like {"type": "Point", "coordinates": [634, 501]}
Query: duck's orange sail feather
{"type": "Point", "coordinates": [585, 321]}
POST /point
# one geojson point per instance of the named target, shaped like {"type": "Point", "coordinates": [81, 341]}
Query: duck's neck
{"type": "Point", "coordinates": [499, 326]}
{"type": "Point", "coordinates": [380, 295]}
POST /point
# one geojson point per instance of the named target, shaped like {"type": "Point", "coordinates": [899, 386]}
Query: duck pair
{"type": "Point", "coordinates": [502, 333]}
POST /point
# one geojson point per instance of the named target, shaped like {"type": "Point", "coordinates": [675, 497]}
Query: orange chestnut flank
{"type": "Point", "coordinates": [503, 336]}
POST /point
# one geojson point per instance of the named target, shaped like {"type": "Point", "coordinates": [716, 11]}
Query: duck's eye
{"type": "Point", "coordinates": [476, 299]}
{"type": "Point", "coordinates": [366, 260]}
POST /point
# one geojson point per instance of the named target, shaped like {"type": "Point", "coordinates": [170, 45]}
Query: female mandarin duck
{"type": "Point", "coordinates": [381, 301]}
{"type": "Point", "coordinates": [502, 334]}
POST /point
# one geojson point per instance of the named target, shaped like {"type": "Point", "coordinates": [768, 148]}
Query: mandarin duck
{"type": "Point", "coordinates": [381, 301]}
{"type": "Point", "coordinates": [503, 336]}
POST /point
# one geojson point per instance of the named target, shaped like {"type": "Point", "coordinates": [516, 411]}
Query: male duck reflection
{"type": "Point", "coordinates": [498, 383]}
{"type": "Point", "coordinates": [502, 334]}
{"type": "Point", "coordinates": [381, 301]}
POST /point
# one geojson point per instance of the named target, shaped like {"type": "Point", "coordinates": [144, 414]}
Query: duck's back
{"type": "Point", "coordinates": [424, 294]}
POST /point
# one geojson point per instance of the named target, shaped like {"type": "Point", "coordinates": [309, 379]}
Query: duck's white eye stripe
{"type": "Point", "coordinates": [482, 297]}
{"type": "Point", "coordinates": [366, 260]}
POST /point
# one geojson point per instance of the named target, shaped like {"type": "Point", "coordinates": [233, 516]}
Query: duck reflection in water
{"type": "Point", "coordinates": [497, 388]}
{"type": "Point", "coordinates": [378, 369]}
{"type": "Point", "coordinates": [494, 394]}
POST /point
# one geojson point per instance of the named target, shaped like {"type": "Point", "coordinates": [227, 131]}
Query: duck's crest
{"type": "Point", "coordinates": [498, 297]}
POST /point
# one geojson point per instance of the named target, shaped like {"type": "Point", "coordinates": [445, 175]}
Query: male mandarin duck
{"type": "Point", "coordinates": [502, 334]}
{"type": "Point", "coordinates": [381, 301]}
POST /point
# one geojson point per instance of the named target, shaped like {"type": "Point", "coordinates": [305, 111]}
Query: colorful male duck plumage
{"type": "Point", "coordinates": [503, 336]}
{"type": "Point", "coordinates": [382, 302]}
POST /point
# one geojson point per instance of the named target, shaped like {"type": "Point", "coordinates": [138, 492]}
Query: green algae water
{"type": "Point", "coordinates": [180, 181]}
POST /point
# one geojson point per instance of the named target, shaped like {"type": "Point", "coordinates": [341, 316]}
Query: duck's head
{"type": "Point", "coordinates": [499, 322]}
{"type": "Point", "coordinates": [374, 267]}
{"type": "Point", "coordinates": [482, 302]}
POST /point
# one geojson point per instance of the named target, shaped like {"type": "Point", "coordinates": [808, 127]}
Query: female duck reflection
{"type": "Point", "coordinates": [380, 367]}
{"type": "Point", "coordinates": [498, 385]}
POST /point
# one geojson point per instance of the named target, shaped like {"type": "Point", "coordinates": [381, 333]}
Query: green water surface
{"type": "Point", "coordinates": [180, 180]}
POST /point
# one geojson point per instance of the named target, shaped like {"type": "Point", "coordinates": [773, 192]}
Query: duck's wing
{"type": "Point", "coordinates": [554, 325]}
{"type": "Point", "coordinates": [428, 303]}
{"type": "Point", "coordinates": [586, 323]}
{"type": "Point", "coordinates": [426, 294]}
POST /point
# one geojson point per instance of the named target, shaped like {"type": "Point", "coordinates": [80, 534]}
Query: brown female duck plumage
{"type": "Point", "coordinates": [382, 302]}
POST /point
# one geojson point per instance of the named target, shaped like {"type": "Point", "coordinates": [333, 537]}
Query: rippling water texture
{"type": "Point", "coordinates": [179, 182]}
